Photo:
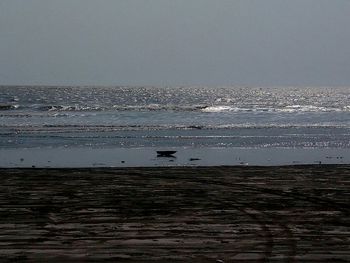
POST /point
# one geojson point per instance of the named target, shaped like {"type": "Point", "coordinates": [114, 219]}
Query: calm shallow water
{"type": "Point", "coordinates": [147, 157]}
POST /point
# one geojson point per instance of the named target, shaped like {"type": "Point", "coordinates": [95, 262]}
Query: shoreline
{"type": "Point", "coordinates": [127, 168]}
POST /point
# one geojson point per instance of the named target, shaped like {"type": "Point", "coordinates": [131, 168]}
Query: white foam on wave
{"type": "Point", "coordinates": [220, 109]}
{"type": "Point", "coordinates": [285, 109]}
{"type": "Point", "coordinates": [309, 108]}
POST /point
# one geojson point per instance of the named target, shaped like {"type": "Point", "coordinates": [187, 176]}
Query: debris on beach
{"type": "Point", "coordinates": [166, 153]}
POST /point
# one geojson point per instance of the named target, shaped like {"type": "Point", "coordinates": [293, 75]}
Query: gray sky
{"type": "Point", "coordinates": [175, 42]}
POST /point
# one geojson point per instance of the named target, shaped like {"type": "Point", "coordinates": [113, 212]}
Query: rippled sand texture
{"type": "Point", "coordinates": [218, 214]}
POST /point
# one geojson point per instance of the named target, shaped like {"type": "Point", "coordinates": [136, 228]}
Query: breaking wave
{"type": "Point", "coordinates": [286, 109]}
{"type": "Point", "coordinates": [175, 108]}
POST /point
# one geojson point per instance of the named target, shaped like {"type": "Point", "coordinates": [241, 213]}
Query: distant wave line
{"type": "Point", "coordinates": [175, 108]}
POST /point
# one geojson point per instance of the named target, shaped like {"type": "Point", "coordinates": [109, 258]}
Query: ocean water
{"type": "Point", "coordinates": [136, 117]}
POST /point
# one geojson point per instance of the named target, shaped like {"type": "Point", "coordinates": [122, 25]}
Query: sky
{"type": "Point", "coordinates": [175, 42]}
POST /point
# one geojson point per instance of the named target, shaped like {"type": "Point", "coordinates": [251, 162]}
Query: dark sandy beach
{"type": "Point", "coordinates": [184, 214]}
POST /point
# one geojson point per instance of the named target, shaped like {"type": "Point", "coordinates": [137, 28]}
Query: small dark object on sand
{"type": "Point", "coordinates": [194, 159]}
{"type": "Point", "coordinates": [122, 161]}
{"type": "Point", "coordinates": [165, 153]}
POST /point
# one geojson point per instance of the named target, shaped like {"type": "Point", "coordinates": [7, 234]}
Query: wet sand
{"type": "Point", "coordinates": [176, 214]}
{"type": "Point", "coordinates": [77, 157]}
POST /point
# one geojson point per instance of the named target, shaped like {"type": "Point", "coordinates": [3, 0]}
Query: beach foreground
{"type": "Point", "coordinates": [176, 214]}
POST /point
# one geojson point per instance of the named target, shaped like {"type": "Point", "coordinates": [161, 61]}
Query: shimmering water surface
{"type": "Point", "coordinates": [95, 117]}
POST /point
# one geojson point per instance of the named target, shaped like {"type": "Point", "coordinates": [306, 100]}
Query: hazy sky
{"type": "Point", "coordinates": [175, 42]}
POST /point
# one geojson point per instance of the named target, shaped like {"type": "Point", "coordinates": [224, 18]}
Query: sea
{"type": "Point", "coordinates": [39, 118]}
